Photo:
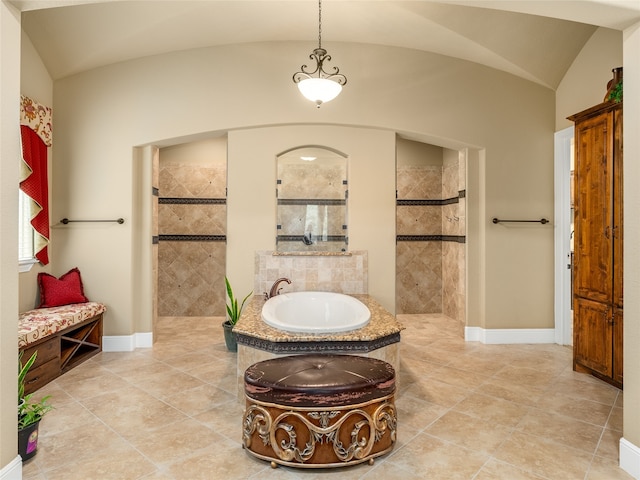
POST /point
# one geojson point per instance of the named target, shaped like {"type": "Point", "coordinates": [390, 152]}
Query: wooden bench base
{"type": "Point", "coordinates": [61, 351]}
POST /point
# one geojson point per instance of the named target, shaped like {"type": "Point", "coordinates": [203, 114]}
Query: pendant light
{"type": "Point", "coordinates": [318, 85]}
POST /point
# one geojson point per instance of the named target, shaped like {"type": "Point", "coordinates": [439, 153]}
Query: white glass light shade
{"type": "Point", "coordinates": [319, 90]}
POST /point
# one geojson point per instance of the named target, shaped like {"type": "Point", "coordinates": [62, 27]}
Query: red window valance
{"type": "Point", "coordinates": [36, 136]}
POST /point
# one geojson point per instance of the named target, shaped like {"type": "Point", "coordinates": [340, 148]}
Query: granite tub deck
{"type": "Point", "coordinates": [257, 341]}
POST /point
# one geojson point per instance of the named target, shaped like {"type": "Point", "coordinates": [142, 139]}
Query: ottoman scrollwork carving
{"type": "Point", "coordinates": [256, 419]}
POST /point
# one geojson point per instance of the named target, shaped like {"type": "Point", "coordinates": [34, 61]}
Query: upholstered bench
{"type": "Point", "coordinates": [63, 336]}
{"type": "Point", "coordinates": [318, 411]}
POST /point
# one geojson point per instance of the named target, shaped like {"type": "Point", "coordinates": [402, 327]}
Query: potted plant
{"type": "Point", "coordinates": [30, 412]}
{"type": "Point", "coordinates": [233, 314]}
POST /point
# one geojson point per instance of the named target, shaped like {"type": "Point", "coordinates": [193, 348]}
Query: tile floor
{"type": "Point", "coordinates": [465, 411]}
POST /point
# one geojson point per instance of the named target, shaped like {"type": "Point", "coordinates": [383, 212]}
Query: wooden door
{"type": "Point", "coordinates": [593, 209]}
{"type": "Point", "coordinates": [593, 336]}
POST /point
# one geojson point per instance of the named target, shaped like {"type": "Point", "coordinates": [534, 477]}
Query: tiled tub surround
{"type": "Point", "coordinates": [327, 272]}
{"type": "Point", "coordinates": [191, 240]}
{"type": "Point", "coordinates": [257, 341]}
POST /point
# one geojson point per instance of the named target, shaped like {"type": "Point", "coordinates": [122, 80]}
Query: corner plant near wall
{"type": "Point", "coordinates": [233, 312]}
{"type": "Point", "coordinates": [30, 412]}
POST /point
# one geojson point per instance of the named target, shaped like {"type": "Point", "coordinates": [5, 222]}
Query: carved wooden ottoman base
{"type": "Point", "coordinates": [319, 411]}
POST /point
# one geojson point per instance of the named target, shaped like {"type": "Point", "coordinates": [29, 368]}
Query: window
{"type": "Point", "coordinates": [25, 232]}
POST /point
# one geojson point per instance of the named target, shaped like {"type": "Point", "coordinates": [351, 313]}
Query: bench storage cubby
{"type": "Point", "coordinates": [63, 337]}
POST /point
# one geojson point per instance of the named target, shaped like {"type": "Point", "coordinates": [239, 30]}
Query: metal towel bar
{"type": "Point", "coordinates": [542, 221]}
{"type": "Point", "coordinates": [117, 220]}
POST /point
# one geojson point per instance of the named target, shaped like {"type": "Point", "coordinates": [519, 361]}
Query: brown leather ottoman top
{"type": "Point", "coordinates": [316, 380]}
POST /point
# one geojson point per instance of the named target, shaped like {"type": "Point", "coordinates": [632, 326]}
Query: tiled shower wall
{"type": "Point", "coordinates": [430, 228]}
{"type": "Point", "coordinates": [192, 247]}
{"type": "Point", "coordinates": [418, 249]}
{"type": "Point", "coordinates": [454, 236]}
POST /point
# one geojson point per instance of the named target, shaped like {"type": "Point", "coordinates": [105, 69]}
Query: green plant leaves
{"type": "Point", "coordinates": [29, 411]}
{"type": "Point", "coordinates": [233, 312]}
{"type": "Point", "coordinates": [616, 93]}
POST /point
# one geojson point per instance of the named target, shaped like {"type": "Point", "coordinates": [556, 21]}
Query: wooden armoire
{"type": "Point", "coordinates": [597, 272]}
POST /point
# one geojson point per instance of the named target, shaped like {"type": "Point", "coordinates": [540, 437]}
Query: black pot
{"type": "Point", "coordinates": [28, 441]}
{"type": "Point", "coordinates": [229, 336]}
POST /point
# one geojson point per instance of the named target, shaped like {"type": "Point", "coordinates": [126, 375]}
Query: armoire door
{"type": "Point", "coordinates": [593, 336]}
{"type": "Point", "coordinates": [593, 249]}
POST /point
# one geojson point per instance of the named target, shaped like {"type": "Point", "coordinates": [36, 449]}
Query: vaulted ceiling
{"type": "Point", "coordinates": [536, 40]}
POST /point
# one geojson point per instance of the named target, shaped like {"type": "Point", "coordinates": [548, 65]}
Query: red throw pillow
{"type": "Point", "coordinates": [63, 291]}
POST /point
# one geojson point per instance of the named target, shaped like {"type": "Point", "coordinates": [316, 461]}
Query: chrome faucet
{"type": "Point", "coordinates": [274, 288]}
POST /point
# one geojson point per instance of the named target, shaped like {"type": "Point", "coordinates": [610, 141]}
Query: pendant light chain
{"type": "Point", "coordinates": [319, 23]}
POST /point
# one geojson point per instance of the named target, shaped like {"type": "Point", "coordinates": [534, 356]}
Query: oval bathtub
{"type": "Point", "coordinates": [315, 312]}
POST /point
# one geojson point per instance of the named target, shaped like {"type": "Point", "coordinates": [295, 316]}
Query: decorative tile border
{"type": "Point", "coordinates": [324, 238]}
{"type": "Point", "coordinates": [418, 203]}
{"type": "Point", "coordinates": [192, 238]}
{"type": "Point", "coordinates": [310, 201]}
{"type": "Point", "coordinates": [192, 201]}
{"type": "Point", "coordinates": [410, 202]}
{"type": "Point", "coordinates": [431, 238]}
{"type": "Point", "coordinates": [317, 347]}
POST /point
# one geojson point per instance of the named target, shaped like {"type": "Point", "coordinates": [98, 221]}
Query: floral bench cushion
{"type": "Point", "coordinates": [42, 322]}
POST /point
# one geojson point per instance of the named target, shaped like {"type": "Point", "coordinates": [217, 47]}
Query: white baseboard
{"type": "Point", "coordinates": [510, 335]}
{"type": "Point", "coordinates": [12, 470]}
{"type": "Point", "coordinates": [630, 458]}
{"type": "Point", "coordinates": [126, 343]}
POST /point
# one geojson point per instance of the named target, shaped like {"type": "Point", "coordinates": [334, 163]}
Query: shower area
{"type": "Point", "coordinates": [190, 187]}
{"type": "Point", "coordinates": [430, 230]}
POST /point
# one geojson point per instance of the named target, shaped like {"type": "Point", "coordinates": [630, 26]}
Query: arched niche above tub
{"type": "Point", "coordinates": [312, 193]}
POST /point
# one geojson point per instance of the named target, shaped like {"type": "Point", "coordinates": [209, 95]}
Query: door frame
{"type": "Point", "coordinates": [563, 143]}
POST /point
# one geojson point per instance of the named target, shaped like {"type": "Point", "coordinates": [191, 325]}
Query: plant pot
{"type": "Point", "coordinates": [229, 336]}
{"type": "Point", "coordinates": [613, 83]}
{"type": "Point", "coordinates": [28, 441]}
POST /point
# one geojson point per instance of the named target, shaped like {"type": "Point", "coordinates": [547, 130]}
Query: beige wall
{"type": "Point", "coordinates": [102, 114]}
{"type": "Point", "coordinates": [410, 153]}
{"type": "Point", "coordinates": [9, 149]}
{"type": "Point", "coordinates": [585, 83]}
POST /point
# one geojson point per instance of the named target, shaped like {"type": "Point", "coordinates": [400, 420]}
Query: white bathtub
{"type": "Point", "coordinates": [315, 312]}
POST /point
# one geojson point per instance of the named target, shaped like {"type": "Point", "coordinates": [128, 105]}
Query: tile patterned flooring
{"type": "Point", "coordinates": [465, 411]}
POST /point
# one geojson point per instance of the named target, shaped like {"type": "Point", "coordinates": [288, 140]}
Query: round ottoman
{"type": "Point", "coordinates": [318, 411]}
